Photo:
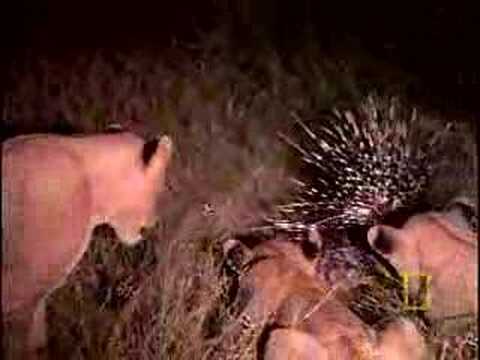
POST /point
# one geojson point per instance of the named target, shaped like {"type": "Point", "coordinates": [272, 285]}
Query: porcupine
{"type": "Point", "coordinates": [358, 166]}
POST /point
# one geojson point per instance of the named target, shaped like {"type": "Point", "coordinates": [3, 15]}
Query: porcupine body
{"type": "Point", "coordinates": [358, 166]}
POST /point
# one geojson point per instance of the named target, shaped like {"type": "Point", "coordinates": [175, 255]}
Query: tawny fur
{"type": "Point", "coordinates": [55, 191]}
{"type": "Point", "coordinates": [309, 322]}
{"type": "Point", "coordinates": [399, 341]}
{"type": "Point", "coordinates": [432, 244]}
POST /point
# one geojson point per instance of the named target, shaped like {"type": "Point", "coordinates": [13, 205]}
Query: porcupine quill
{"type": "Point", "coordinates": [357, 166]}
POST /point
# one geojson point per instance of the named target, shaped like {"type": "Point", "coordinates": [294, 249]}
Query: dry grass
{"type": "Point", "coordinates": [223, 108]}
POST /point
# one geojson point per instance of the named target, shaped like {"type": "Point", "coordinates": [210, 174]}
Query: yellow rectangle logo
{"type": "Point", "coordinates": [418, 285]}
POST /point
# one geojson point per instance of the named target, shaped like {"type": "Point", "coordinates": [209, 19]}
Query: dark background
{"type": "Point", "coordinates": [437, 42]}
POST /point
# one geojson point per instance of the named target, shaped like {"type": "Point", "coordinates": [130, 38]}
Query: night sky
{"type": "Point", "coordinates": [436, 42]}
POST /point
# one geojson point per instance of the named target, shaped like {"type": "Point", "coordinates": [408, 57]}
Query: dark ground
{"type": "Point", "coordinates": [437, 43]}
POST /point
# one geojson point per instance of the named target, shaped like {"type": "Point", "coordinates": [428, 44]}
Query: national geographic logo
{"type": "Point", "coordinates": [416, 291]}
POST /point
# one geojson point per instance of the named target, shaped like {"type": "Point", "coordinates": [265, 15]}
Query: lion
{"type": "Point", "coordinates": [294, 315]}
{"type": "Point", "coordinates": [440, 246]}
{"type": "Point", "coordinates": [55, 191]}
{"type": "Point", "coordinates": [399, 341]}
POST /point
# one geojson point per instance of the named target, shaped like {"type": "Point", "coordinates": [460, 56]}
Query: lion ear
{"type": "Point", "coordinates": [235, 245]}
{"type": "Point", "coordinates": [156, 156]}
{"type": "Point", "coordinates": [384, 239]}
{"type": "Point", "coordinates": [236, 255]}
